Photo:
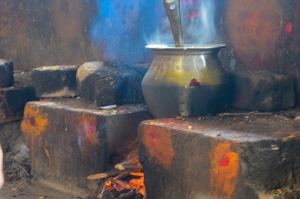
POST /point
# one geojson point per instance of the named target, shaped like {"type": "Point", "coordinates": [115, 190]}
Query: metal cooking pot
{"type": "Point", "coordinates": [185, 81]}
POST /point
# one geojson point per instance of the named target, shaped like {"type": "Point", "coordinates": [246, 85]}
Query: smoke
{"type": "Point", "coordinates": [119, 26]}
{"type": "Point", "coordinates": [198, 24]}
{"type": "Point", "coordinates": [123, 28]}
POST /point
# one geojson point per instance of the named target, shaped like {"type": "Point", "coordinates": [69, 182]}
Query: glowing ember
{"type": "Point", "coordinates": [128, 177]}
{"type": "Point", "coordinates": [136, 184]}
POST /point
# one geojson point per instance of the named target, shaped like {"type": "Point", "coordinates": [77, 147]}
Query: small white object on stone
{"type": "Point", "coordinates": [110, 107]}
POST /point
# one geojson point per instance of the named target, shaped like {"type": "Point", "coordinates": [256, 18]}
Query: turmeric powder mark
{"type": "Point", "coordinates": [224, 170]}
{"type": "Point", "coordinates": [47, 154]}
{"type": "Point", "coordinates": [34, 123]}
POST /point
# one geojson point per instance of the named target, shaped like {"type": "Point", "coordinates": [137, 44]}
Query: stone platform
{"type": "Point", "coordinates": [70, 139]}
{"type": "Point", "coordinates": [229, 156]}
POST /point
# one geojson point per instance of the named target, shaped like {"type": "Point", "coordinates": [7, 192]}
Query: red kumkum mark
{"type": "Point", "coordinates": [194, 82]}
{"type": "Point", "coordinates": [155, 142]}
{"type": "Point", "coordinates": [168, 121]}
{"type": "Point", "coordinates": [90, 131]}
{"type": "Point", "coordinates": [44, 100]}
{"type": "Point", "coordinates": [224, 162]}
{"type": "Point", "coordinates": [32, 121]}
{"type": "Point", "coordinates": [192, 15]}
{"type": "Point", "coordinates": [289, 27]}
{"type": "Point", "coordinates": [188, 3]}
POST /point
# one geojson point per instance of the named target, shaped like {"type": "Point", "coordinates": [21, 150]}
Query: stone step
{"type": "Point", "coordinates": [231, 156]}
{"type": "Point", "coordinates": [70, 139]}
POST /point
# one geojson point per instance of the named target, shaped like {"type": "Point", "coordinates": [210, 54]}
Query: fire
{"type": "Point", "coordinates": [136, 184]}
{"type": "Point", "coordinates": [127, 176]}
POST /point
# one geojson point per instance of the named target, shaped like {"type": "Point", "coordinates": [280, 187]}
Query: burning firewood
{"type": "Point", "coordinates": [128, 176]}
{"type": "Point", "coordinates": [119, 183]}
{"type": "Point", "coordinates": [107, 175]}
{"type": "Point", "coordinates": [131, 162]}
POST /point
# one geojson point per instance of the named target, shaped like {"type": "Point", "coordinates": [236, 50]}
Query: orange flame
{"type": "Point", "coordinates": [134, 184]}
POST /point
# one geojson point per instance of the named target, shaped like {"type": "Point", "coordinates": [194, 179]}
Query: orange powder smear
{"type": "Point", "coordinates": [87, 128]}
{"type": "Point", "coordinates": [47, 154]}
{"type": "Point", "coordinates": [160, 146]}
{"type": "Point", "coordinates": [224, 171]}
{"type": "Point", "coordinates": [35, 122]}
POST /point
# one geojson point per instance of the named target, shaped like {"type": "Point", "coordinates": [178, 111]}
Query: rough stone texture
{"type": "Point", "coordinates": [224, 157]}
{"type": "Point", "coordinates": [262, 91]}
{"type": "Point", "coordinates": [85, 70]}
{"type": "Point", "coordinates": [10, 135]}
{"type": "Point", "coordinates": [70, 139]}
{"type": "Point", "coordinates": [55, 81]}
{"type": "Point", "coordinates": [22, 78]}
{"type": "Point", "coordinates": [109, 83]}
{"type": "Point", "coordinates": [6, 73]}
{"type": "Point", "coordinates": [12, 102]}
{"type": "Point", "coordinates": [13, 99]}
{"type": "Point", "coordinates": [23, 81]}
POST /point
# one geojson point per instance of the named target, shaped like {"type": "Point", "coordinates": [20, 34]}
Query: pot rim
{"type": "Point", "coordinates": [186, 47]}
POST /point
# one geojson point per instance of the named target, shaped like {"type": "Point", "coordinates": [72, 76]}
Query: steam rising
{"type": "Point", "coordinates": [123, 28]}
{"type": "Point", "coordinates": [198, 24]}
{"type": "Point", "coordinates": [201, 30]}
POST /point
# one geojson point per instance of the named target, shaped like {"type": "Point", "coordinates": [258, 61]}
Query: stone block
{"type": "Point", "coordinates": [14, 99]}
{"type": "Point", "coordinates": [12, 102]}
{"type": "Point", "coordinates": [55, 81]}
{"type": "Point", "coordinates": [252, 157]}
{"type": "Point", "coordinates": [30, 93]}
{"type": "Point", "coordinates": [6, 73]}
{"type": "Point", "coordinates": [23, 81]}
{"type": "Point", "coordinates": [70, 139]}
{"type": "Point", "coordinates": [109, 83]}
{"type": "Point", "coordinates": [262, 91]}
{"type": "Point", "coordinates": [22, 78]}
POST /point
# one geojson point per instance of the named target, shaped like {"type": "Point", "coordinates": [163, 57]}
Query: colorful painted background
{"type": "Point", "coordinates": [260, 34]}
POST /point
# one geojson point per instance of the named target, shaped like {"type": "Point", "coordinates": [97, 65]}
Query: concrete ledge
{"type": "Point", "coordinates": [249, 157]}
{"type": "Point", "coordinates": [70, 139]}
